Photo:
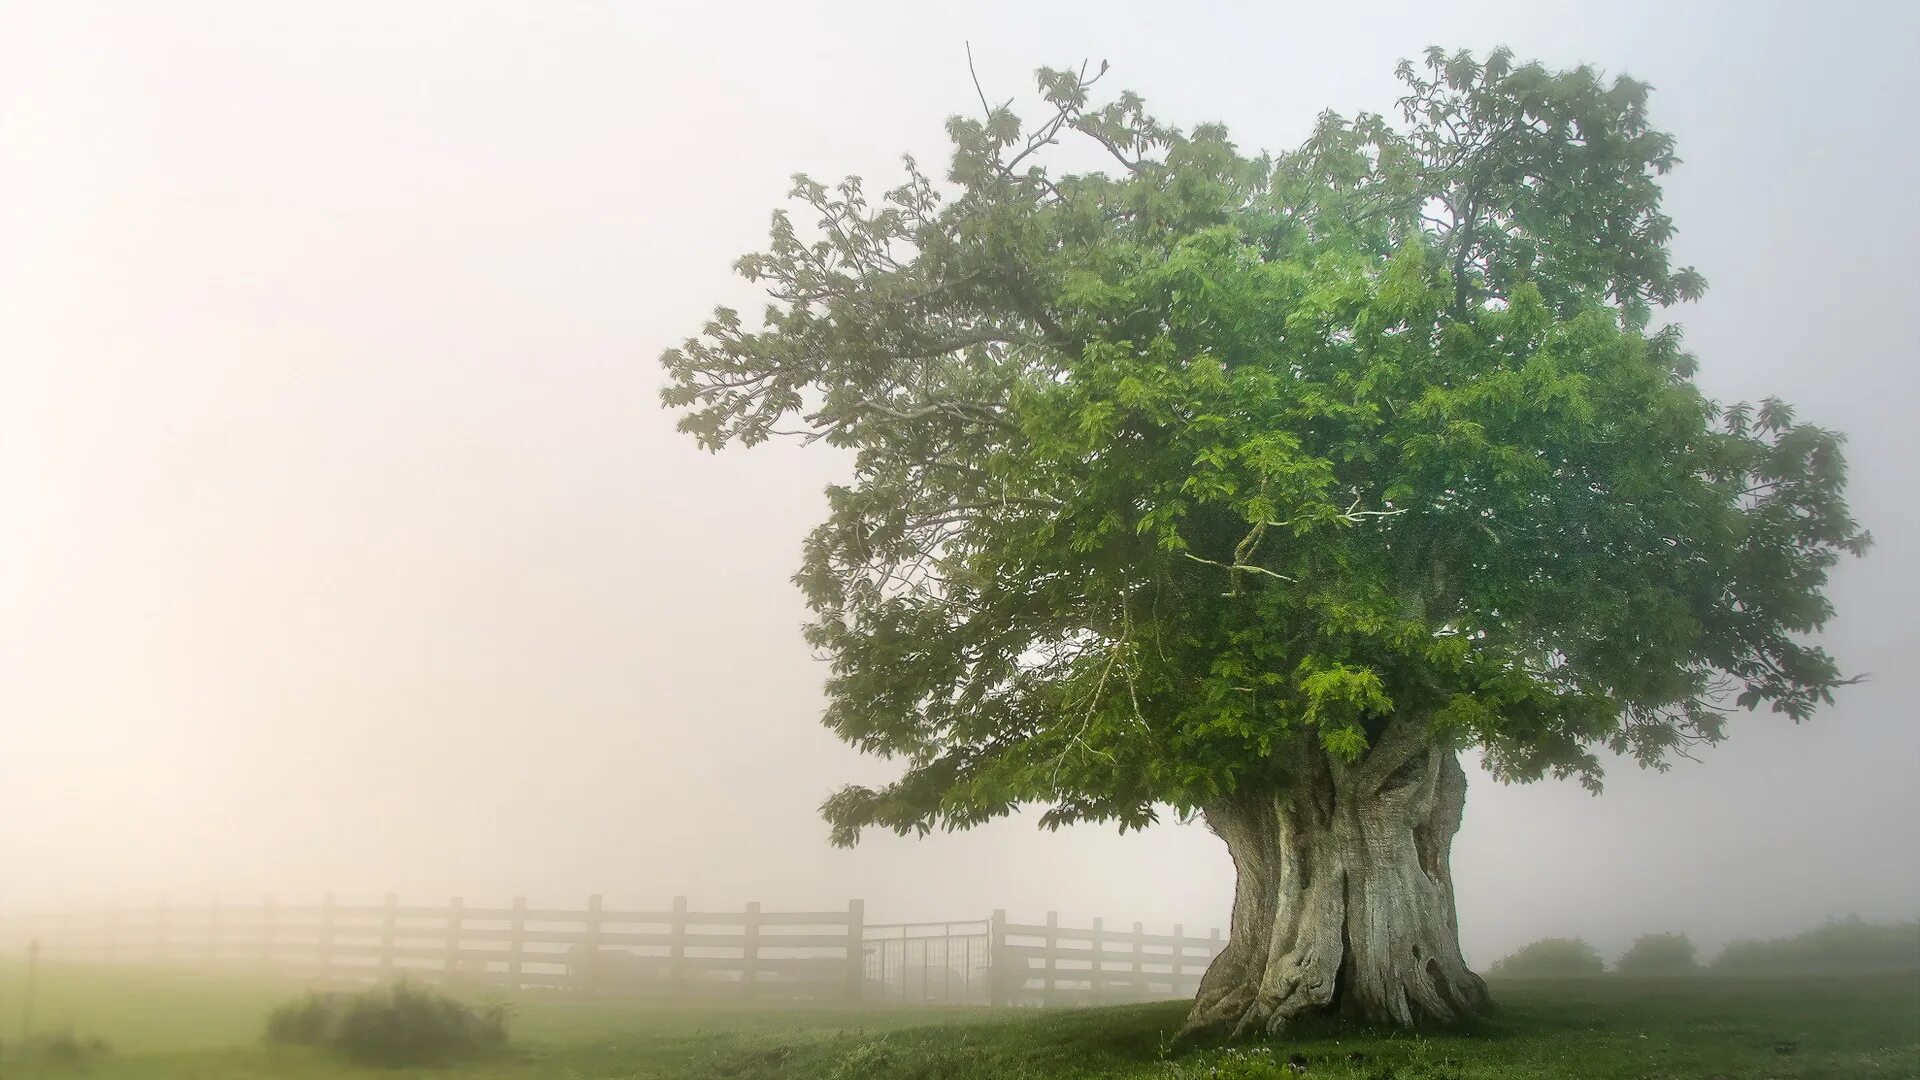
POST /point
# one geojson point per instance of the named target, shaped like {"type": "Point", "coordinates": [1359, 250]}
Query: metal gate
{"type": "Point", "coordinates": [927, 963]}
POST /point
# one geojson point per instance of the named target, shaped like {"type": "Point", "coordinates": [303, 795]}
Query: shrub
{"type": "Point", "coordinates": [61, 1049]}
{"type": "Point", "coordinates": [307, 1022]}
{"type": "Point", "coordinates": [1658, 955]}
{"type": "Point", "coordinates": [1549, 958]}
{"type": "Point", "coordinates": [1841, 946]}
{"type": "Point", "coordinates": [401, 1024]}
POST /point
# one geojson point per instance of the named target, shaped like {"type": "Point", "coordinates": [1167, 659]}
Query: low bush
{"type": "Point", "coordinates": [1549, 958]}
{"type": "Point", "coordinates": [307, 1022]}
{"type": "Point", "coordinates": [400, 1024]}
{"type": "Point", "coordinates": [1658, 956]}
{"type": "Point", "coordinates": [61, 1049]}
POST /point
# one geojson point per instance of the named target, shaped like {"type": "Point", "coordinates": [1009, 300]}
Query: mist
{"type": "Point", "coordinates": [346, 547]}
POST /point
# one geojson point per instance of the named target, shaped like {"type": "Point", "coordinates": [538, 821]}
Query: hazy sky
{"type": "Point", "coordinates": [344, 547]}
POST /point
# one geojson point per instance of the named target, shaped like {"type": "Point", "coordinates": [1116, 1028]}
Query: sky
{"type": "Point", "coordinates": [344, 546]}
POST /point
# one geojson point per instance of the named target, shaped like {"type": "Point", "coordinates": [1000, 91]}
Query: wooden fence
{"type": "Point", "coordinates": [1049, 964]}
{"type": "Point", "coordinates": [815, 955]}
{"type": "Point", "coordinates": [812, 954]}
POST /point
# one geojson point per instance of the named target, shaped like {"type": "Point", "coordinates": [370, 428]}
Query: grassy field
{"type": "Point", "coordinates": [186, 1026]}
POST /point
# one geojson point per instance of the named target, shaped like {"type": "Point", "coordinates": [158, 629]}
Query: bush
{"type": "Point", "coordinates": [1550, 958]}
{"type": "Point", "coordinates": [1840, 947]}
{"type": "Point", "coordinates": [62, 1049]}
{"type": "Point", "coordinates": [401, 1024]}
{"type": "Point", "coordinates": [307, 1022]}
{"type": "Point", "coordinates": [1658, 955]}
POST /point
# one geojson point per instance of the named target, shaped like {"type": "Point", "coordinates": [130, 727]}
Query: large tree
{"type": "Point", "coordinates": [1258, 488]}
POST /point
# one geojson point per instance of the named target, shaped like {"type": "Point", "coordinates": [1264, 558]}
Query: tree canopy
{"type": "Point", "coordinates": [1167, 468]}
{"type": "Point", "coordinates": [1549, 958]}
{"type": "Point", "coordinates": [1839, 946]}
{"type": "Point", "coordinates": [1658, 955]}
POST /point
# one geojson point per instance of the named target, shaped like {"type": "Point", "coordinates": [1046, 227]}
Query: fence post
{"type": "Point", "coordinates": [750, 948]}
{"type": "Point", "coordinates": [453, 934]}
{"type": "Point", "coordinates": [1053, 942]}
{"type": "Point", "coordinates": [386, 933]}
{"type": "Point", "coordinates": [212, 929]}
{"type": "Point", "coordinates": [1098, 980]}
{"type": "Point", "coordinates": [593, 943]}
{"type": "Point", "coordinates": [856, 947]}
{"type": "Point", "coordinates": [677, 946]}
{"type": "Point", "coordinates": [517, 941]}
{"type": "Point", "coordinates": [326, 937]}
{"type": "Point", "coordinates": [160, 933]}
{"type": "Point", "coordinates": [1179, 954]}
{"type": "Point", "coordinates": [266, 931]}
{"type": "Point", "coordinates": [1139, 989]}
{"type": "Point", "coordinates": [999, 965]}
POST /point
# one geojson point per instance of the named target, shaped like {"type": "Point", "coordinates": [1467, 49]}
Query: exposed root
{"type": "Point", "coordinates": [1221, 1014]}
{"type": "Point", "coordinates": [1245, 1012]}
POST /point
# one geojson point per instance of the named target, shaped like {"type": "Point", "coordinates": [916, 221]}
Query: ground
{"type": "Point", "coordinates": [185, 1026]}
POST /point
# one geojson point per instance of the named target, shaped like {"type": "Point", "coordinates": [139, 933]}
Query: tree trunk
{"type": "Point", "coordinates": [1345, 896]}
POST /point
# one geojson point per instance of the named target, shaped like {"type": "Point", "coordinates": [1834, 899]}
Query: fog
{"type": "Point", "coordinates": [345, 548]}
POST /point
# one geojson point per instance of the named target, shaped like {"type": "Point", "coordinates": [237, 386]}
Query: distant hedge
{"type": "Point", "coordinates": [1658, 955]}
{"type": "Point", "coordinates": [1850, 946]}
{"type": "Point", "coordinates": [1549, 958]}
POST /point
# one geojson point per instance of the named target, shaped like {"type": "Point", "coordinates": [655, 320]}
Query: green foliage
{"type": "Point", "coordinates": [1842, 946]}
{"type": "Point", "coordinates": [308, 1021]}
{"type": "Point", "coordinates": [1549, 958]}
{"type": "Point", "coordinates": [400, 1024]}
{"type": "Point", "coordinates": [1165, 476]}
{"type": "Point", "coordinates": [60, 1050]}
{"type": "Point", "coordinates": [1658, 955]}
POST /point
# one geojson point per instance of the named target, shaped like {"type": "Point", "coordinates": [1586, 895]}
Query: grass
{"type": "Point", "coordinates": [191, 1026]}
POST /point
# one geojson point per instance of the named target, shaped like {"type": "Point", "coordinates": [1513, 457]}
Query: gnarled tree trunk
{"type": "Point", "coordinates": [1345, 895]}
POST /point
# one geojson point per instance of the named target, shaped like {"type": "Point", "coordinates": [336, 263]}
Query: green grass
{"type": "Point", "coordinates": [187, 1026]}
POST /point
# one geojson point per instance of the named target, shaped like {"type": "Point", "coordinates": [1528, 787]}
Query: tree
{"type": "Point", "coordinates": [1658, 955]}
{"type": "Point", "coordinates": [1848, 946]}
{"type": "Point", "coordinates": [1550, 958]}
{"type": "Point", "coordinates": [1257, 488]}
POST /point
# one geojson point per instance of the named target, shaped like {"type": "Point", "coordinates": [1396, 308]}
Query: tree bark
{"type": "Point", "coordinates": [1344, 900]}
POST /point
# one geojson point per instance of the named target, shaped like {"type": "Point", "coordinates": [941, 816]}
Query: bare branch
{"type": "Point", "coordinates": [985, 109]}
{"type": "Point", "coordinates": [1247, 567]}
